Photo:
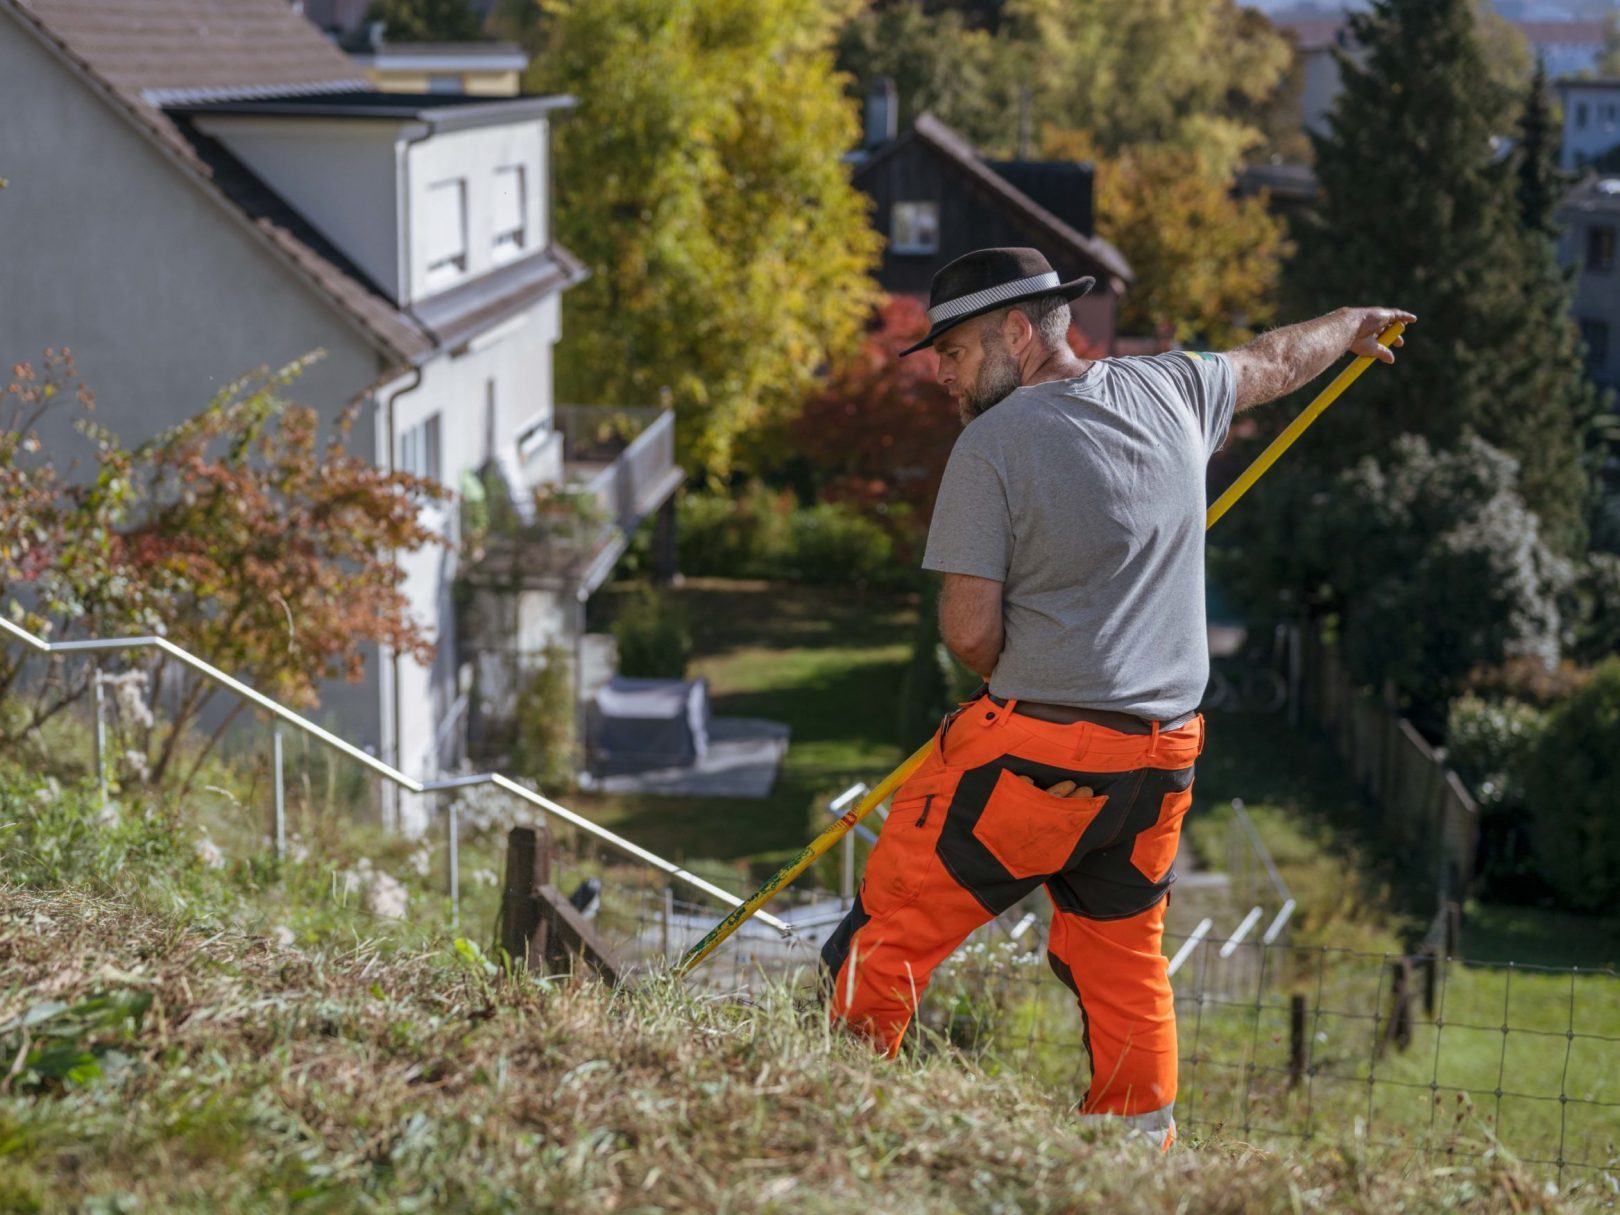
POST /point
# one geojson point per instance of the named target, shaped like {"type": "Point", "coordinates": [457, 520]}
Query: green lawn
{"type": "Point", "coordinates": [827, 662]}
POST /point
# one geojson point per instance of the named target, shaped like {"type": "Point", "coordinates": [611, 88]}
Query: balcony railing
{"type": "Point", "coordinates": [618, 466]}
{"type": "Point", "coordinates": [624, 457]}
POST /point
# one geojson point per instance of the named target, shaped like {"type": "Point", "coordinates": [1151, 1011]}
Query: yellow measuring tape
{"type": "Point", "coordinates": [825, 841]}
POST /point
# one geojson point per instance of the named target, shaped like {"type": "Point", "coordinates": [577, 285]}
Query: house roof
{"type": "Point", "coordinates": [960, 154]}
{"type": "Point", "coordinates": [150, 59]}
{"type": "Point", "coordinates": [441, 111]}
{"type": "Point", "coordinates": [1562, 33]}
{"type": "Point", "coordinates": [1596, 82]}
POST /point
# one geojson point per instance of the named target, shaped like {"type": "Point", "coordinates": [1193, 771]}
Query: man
{"type": "Point", "coordinates": [1069, 528]}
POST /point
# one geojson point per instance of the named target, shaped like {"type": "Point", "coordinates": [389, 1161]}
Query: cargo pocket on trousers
{"type": "Point", "coordinates": [1154, 851]}
{"type": "Point", "coordinates": [905, 847]}
{"type": "Point", "coordinates": [1029, 831]}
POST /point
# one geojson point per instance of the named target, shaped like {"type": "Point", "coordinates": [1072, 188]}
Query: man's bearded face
{"type": "Point", "coordinates": [997, 376]}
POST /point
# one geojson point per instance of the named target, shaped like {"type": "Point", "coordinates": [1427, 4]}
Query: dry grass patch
{"type": "Point", "coordinates": [154, 1064]}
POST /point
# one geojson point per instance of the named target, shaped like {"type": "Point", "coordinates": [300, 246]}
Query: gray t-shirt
{"type": "Point", "coordinates": [1086, 498]}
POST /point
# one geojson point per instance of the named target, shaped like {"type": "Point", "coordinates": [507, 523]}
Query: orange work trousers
{"type": "Point", "coordinates": [966, 839]}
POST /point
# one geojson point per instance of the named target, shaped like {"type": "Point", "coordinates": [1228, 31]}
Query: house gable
{"type": "Point", "coordinates": [163, 292]}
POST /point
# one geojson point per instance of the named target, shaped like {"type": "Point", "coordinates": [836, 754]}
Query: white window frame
{"type": "Point", "coordinates": [451, 266]}
{"type": "Point", "coordinates": [906, 234]}
{"type": "Point", "coordinates": [510, 242]}
{"type": "Point", "coordinates": [421, 449]}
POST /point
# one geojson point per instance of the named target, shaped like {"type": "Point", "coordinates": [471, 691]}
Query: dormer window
{"type": "Point", "coordinates": [914, 227]}
{"type": "Point", "coordinates": [509, 211]}
{"type": "Point", "coordinates": [444, 230]}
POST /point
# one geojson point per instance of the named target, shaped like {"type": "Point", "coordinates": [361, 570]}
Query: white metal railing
{"type": "Point", "coordinates": [641, 476]}
{"type": "Point", "coordinates": [386, 771]}
{"type": "Point", "coordinates": [1285, 897]}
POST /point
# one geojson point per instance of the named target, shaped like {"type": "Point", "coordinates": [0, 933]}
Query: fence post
{"type": "Point", "coordinates": [101, 732]}
{"type": "Point", "coordinates": [1431, 968]}
{"type": "Point", "coordinates": [669, 916]}
{"type": "Point", "coordinates": [1398, 1029]}
{"type": "Point", "coordinates": [1453, 928]}
{"type": "Point", "coordinates": [1296, 1039]}
{"type": "Point", "coordinates": [522, 931]}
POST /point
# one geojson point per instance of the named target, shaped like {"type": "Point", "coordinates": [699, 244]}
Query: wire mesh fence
{"type": "Point", "coordinates": [1278, 1042]}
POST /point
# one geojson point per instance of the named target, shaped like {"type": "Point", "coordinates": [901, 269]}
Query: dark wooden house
{"type": "Point", "coordinates": [935, 199]}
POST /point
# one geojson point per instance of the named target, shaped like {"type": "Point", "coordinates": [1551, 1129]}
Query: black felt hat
{"type": "Point", "coordinates": [987, 279]}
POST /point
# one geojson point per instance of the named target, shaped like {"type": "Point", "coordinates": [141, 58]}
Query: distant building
{"type": "Point", "coordinates": [1590, 219]}
{"type": "Point", "coordinates": [1316, 36]}
{"type": "Point", "coordinates": [1591, 121]}
{"type": "Point", "coordinates": [476, 69]}
{"type": "Point", "coordinates": [935, 198]}
{"type": "Point", "coordinates": [202, 187]}
{"type": "Point", "coordinates": [1565, 48]}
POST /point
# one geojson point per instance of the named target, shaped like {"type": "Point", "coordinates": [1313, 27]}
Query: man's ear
{"type": "Point", "coordinates": [1016, 331]}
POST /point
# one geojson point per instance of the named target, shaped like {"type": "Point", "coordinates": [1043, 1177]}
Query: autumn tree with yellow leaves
{"type": "Point", "coordinates": [702, 180]}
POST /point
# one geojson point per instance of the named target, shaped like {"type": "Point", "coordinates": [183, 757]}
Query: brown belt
{"type": "Point", "coordinates": [1123, 723]}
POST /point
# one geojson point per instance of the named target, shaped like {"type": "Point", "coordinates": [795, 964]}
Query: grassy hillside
{"type": "Point", "coordinates": [159, 1061]}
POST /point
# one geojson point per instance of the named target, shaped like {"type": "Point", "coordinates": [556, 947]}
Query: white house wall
{"type": "Point", "coordinates": [474, 157]}
{"type": "Point", "coordinates": [1591, 123]}
{"type": "Point", "coordinates": [341, 176]}
{"type": "Point", "coordinates": [482, 398]}
{"type": "Point", "coordinates": [161, 294]}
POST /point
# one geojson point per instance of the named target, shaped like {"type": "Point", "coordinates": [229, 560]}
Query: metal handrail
{"type": "Point", "coordinates": [386, 771]}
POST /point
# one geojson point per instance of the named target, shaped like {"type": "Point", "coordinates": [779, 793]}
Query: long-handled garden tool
{"type": "Point", "coordinates": [825, 841]}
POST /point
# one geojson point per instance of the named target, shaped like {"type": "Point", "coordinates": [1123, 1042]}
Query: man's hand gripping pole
{"type": "Point", "coordinates": [828, 838]}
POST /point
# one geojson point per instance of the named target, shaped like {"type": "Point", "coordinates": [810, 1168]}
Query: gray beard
{"type": "Point", "coordinates": [997, 378]}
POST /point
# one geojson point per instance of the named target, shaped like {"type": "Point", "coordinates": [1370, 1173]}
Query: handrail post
{"type": "Point", "coordinates": [455, 863]}
{"type": "Point", "coordinates": [101, 733]}
{"type": "Point", "coordinates": [281, 794]}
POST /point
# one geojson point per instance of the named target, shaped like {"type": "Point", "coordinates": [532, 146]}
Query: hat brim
{"type": "Point", "coordinates": [1071, 290]}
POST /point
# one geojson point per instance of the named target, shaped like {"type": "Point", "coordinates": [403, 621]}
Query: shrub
{"type": "Point", "coordinates": [726, 537]}
{"type": "Point", "coordinates": [833, 544]}
{"type": "Point", "coordinates": [544, 731]}
{"type": "Point", "coordinates": [654, 641]}
{"type": "Point", "coordinates": [760, 534]}
{"type": "Point", "coordinates": [1572, 787]}
{"type": "Point", "coordinates": [1439, 568]}
{"type": "Point", "coordinates": [1489, 744]}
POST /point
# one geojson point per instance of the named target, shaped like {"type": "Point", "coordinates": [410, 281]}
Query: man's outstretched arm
{"type": "Point", "coordinates": [1276, 363]}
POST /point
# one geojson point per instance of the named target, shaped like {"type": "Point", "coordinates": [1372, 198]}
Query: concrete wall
{"type": "Point", "coordinates": [474, 157]}
{"type": "Point", "coordinates": [343, 177]}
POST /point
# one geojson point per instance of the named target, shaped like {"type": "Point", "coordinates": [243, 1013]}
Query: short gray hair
{"type": "Point", "coordinates": [1051, 318]}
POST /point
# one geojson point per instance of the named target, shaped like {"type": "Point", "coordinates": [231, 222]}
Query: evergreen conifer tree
{"type": "Point", "coordinates": [1540, 183]}
{"type": "Point", "coordinates": [1419, 210]}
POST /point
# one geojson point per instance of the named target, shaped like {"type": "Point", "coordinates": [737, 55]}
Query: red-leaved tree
{"type": "Point", "coordinates": [879, 431]}
{"type": "Point", "coordinates": [245, 537]}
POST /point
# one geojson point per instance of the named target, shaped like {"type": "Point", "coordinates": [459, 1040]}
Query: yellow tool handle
{"type": "Point", "coordinates": [823, 842]}
{"type": "Point", "coordinates": [1297, 427]}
